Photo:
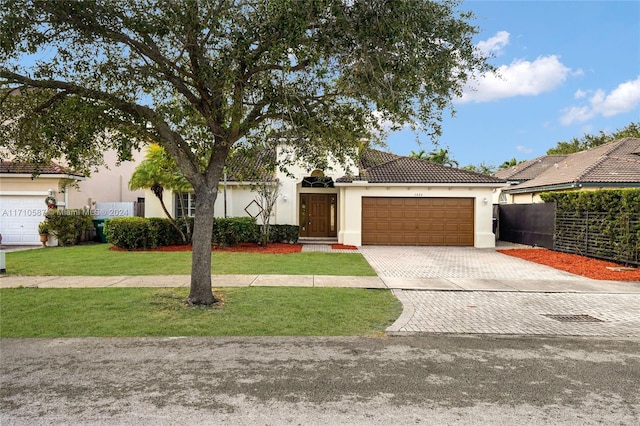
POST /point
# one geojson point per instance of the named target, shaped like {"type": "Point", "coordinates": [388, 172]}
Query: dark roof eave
{"type": "Point", "coordinates": [44, 175]}
{"type": "Point", "coordinates": [441, 184]}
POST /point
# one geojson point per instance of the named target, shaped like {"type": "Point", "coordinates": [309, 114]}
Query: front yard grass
{"type": "Point", "coordinates": [253, 311]}
{"type": "Point", "coordinates": [98, 260]}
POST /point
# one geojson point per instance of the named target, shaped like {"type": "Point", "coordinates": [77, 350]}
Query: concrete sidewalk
{"type": "Point", "coordinates": [435, 284]}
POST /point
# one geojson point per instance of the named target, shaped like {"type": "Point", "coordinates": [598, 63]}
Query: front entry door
{"type": "Point", "coordinates": [318, 215]}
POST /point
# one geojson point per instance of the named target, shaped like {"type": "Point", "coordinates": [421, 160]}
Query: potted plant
{"type": "Point", "coordinates": [43, 230]}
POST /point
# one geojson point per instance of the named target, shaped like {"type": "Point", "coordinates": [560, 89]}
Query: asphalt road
{"type": "Point", "coordinates": [401, 380]}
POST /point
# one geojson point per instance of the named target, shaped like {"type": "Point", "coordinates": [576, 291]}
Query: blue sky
{"type": "Point", "coordinates": [568, 68]}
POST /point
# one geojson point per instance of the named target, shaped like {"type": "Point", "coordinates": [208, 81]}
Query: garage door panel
{"type": "Point", "coordinates": [418, 221]}
{"type": "Point", "coordinates": [19, 219]}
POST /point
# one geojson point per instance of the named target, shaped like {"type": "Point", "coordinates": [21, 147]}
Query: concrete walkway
{"type": "Point", "coordinates": [578, 285]}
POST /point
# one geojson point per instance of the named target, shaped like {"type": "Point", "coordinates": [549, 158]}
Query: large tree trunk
{"type": "Point", "coordinates": [201, 292]}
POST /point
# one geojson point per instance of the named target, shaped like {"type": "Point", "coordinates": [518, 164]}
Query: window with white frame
{"type": "Point", "coordinates": [184, 204]}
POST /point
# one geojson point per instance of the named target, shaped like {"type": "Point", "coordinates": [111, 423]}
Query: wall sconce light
{"type": "Point", "coordinates": [50, 192]}
{"type": "Point", "coordinates": [284, 198]}
{"type": "Point", "coordinates": [485, 201]}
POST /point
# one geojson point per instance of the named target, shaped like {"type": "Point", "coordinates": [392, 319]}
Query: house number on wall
{"type": "Point", "coordinates": [418, 194]}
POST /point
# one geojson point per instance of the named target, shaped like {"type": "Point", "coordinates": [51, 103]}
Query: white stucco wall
{"type": "Point", "coordinates": [239, 196]}
{"type": "Point", "coordinates": [350, 207]}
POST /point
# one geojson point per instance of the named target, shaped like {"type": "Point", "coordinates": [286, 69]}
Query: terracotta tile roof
{"type": "Point", "coordinates": [381, 167]}
{"type": "Point", "coordinates": [529, 169]}
{"type": "Point", "coordinates": [249, 167]}
{"type": "Point", "coordinates": [50, 168]}
{"type": "Point", "coordinates": [616, 162]}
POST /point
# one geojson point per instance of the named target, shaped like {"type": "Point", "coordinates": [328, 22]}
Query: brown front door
{"type": "Point", "coordinates": [318, 215]}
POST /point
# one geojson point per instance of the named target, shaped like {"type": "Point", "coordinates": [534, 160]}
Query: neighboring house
{"type": "Point", "coordinates": [22, 198]}
{"type": "Point", "coordinates": [524, 172]}
{"type": "Point", "coordinates": [109, 184]}
{"type": "Point", "coordinates": [384, 199]}
{"type": "Point", "coordinates": [610, 166]}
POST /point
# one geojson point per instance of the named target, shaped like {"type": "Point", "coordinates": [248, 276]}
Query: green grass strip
{"type": "Point", "coordinates": [98, 260]}
{"type": "Point", "coordinates": [252, 311]}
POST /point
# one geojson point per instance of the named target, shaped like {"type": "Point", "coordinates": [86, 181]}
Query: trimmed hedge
{"type": "Point", "coordinates": [614, 201]}
{"type": "Point", "coordinates": [136, 232]}
{"type": "Point", "coordinates": [283, 233]}
{"type": "Point", "coordinates": [132, 232]}
{"type": "Point", "coordinates": [233, 230]}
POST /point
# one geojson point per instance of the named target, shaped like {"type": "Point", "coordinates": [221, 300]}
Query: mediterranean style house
{"type": "Point", "coordinates": [380, 198]}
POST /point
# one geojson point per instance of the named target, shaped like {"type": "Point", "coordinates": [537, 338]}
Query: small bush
{"type": "Point", "coordinates": [127, 232]}
{"type": "Point", "coordinates": [283, 233]}
{"type": "Point", "coordinates": [69, 226]}
{"type": "Point", "coordinates": [233, 230]}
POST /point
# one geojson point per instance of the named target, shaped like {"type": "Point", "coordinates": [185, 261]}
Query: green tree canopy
{"type": "Point", "coordinates": [200, 77]}
{"type": "Point", "coordinates": [591, 141]}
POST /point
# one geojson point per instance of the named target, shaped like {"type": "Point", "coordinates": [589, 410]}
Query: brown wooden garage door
{"type": "Point", "coordinates": [417, 221]}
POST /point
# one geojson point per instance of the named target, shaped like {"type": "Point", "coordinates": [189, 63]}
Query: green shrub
{"type": "Point", "coordinates": [603, 224]}
{"type": "Point", "coordinates": [127, 232]}
{"type": "Point", "coordinates": [136, 232]}
{"type": "Point", "coordinates": [606, 200]}
{"type": "Point", "coordinates": [233, 230]}
{"type": "Point", "coordinates": [69, 226]}
{"type": "Point", "coordinates": [162, 232]}
{"type": "Point", "coordinates": [182, 224]}
{"type": "Point", "coordinates": [283, 233]}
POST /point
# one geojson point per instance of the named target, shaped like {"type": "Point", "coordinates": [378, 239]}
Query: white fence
{"type": "Point", "coordinates": [111, 210]}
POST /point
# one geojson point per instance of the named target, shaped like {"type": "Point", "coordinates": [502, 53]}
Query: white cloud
{"type": "Point", "coordinates": [520, 78]}
{"type": "Point", "coordinates": [624, 98]}
{"type": "Point", "coordinates": [524, 149]}
{"type": "Point", "coordinates": [579, 94]}
{"type": "Point", "coordinates": [495, 44]}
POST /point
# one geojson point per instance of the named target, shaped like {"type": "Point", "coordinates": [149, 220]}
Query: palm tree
{"type": "Point", "coordinates": [440, 156]}
{"type": "Point", "coordinates": [421, 155]}
{"type": "Point", "coordinates": [510, 163]}
{"type": "Point", "coordinates": [157, 172]}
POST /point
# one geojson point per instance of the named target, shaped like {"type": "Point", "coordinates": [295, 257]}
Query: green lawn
{"type": "Point", "coordinates": [99, 260]}
{"type": "Point", "coordinates": [253, 311]}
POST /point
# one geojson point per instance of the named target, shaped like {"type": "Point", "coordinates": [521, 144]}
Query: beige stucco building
{"type": "Point", "coordinates": [379, 199]}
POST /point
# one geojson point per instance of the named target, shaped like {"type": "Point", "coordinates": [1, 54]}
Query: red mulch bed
{"type": "Point", "coordinates": [579, 265]}
{"type": "Point", "coordinates": [343, 247]}
{"type": "Point", "coordinates": [273, 248]}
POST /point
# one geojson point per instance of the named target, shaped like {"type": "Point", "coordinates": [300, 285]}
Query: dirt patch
{"type": "Point", "coordinates": [273, 248]}
{"type": "Point", "coordinates": [579, 265]}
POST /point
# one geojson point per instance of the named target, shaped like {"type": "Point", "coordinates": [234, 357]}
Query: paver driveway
{"type": "Point", "coordinates": [510, 295]}
{"type": "Point", "coordinates": [455, 262]}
